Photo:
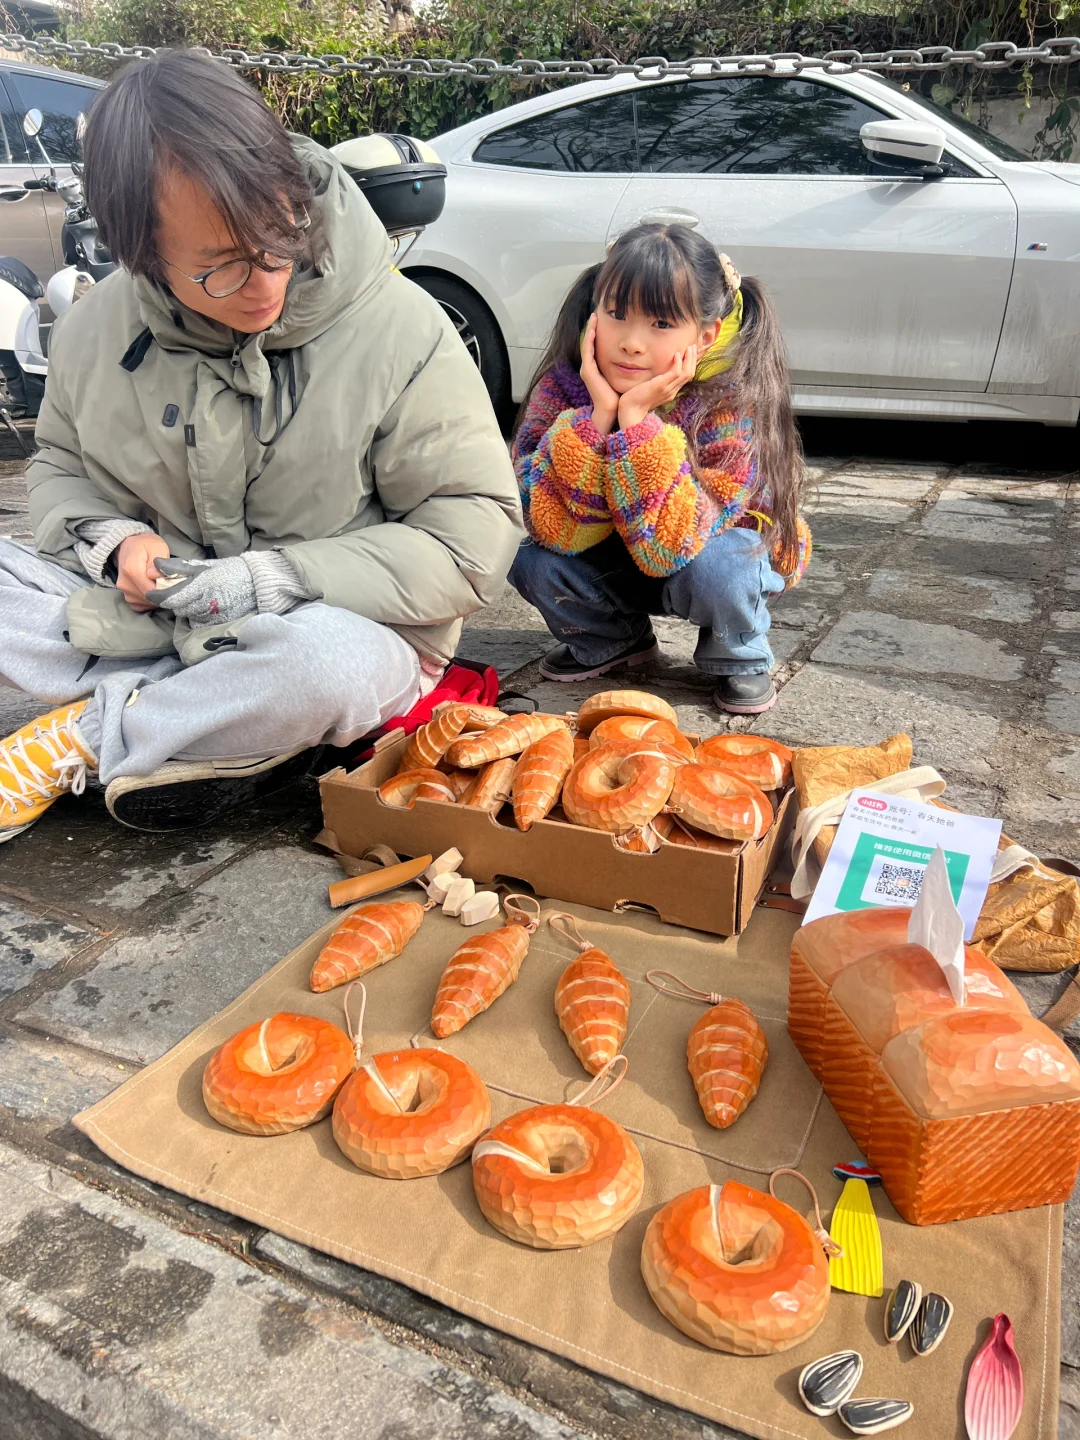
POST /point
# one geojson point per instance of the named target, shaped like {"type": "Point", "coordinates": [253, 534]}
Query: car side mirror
{"type": "Point", "coordinates": [32, 122]}
{"type": "Point", "coordinates": [907, 146]}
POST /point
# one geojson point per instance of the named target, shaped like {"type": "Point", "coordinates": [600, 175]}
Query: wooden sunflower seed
{"type": "Point", "coordinates": [826, 1383]}
{"type": "Point", "coordinates": [929, 1326]}
{"type": "Point", "coordinates": [901, 1309]}
{"type": "Point", "coordinates": [870, 1417]}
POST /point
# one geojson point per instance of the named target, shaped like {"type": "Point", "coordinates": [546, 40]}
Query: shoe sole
{"type": "Point", "coordinates": [757, 708]}
{"type": "Point", "coordinates": [642, 657]}
{"type": "Point", "coordinates": [187, 804]}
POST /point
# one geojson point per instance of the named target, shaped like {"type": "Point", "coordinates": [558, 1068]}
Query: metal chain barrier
{"type": "Point", "coordinates": [993, 55]}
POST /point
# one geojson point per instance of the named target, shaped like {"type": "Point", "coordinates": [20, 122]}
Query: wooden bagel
{"type": "Point", "coordinates": [736, 1269]}
{"type": "Point", "coordinates": [557, 1176]}
{"type": "Point", "coordinates": [620, 786]}
{"type": "Point", "coordinates": [765, 763]}
{"type": "Point", "coordinates": [623, 702]}
{"type": "Point", "coordinates": [402, 791]}
{"type": "Point", "coordinates": [716, 801]}
{"type": "Point", "coordinates": [407, 1113]}
{"type": "Point", "coordinates": [277, 1076]}
{"type": "Point", "coordinates": [639, 727]}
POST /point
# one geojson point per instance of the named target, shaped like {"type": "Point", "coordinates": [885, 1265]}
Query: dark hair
{"type": "Point", "coordinates": [672, 273]}
{"type": "Point", "coordinates": [182, 110]}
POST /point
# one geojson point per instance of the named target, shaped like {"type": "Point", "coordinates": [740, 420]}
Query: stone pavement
{"type": "Point", "coordinates": [943, 599]}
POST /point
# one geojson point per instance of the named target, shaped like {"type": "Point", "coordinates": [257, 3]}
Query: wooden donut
{"type": "Point", "coordinates": [364, 940]}
{"type": "Point", "coordinates": [715, 800]}
{"type": "Point", "coordinates": [407, 1113]}
{"type": "Point", "coordinates": [619, 786]}
{"type": "Point", "coordinates": [736, 1269]}
{"type": "Point", "coordinates": [638, 727]}
{"type": "Point", "coordinates": [538, 779]}
{"type": "Point", "coordinates": [765, 763]}
{"type": "Point", "coordinates": [623, 702]}
{"type": "Point", "coordinates": [557, 1176]}
{"type": "Point", "coordinates": [403, 790]}
{"type": "Point", "coordinates": [277, 1076]}
{"type": "Point", "coordinates": [509, 737]}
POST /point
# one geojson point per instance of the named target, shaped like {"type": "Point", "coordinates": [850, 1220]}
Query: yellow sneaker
{"type": "Point", "coordinates": [38, 764]}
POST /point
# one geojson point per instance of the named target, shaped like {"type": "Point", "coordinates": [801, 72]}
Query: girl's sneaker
{"type": "Point", "coordinates": [745, 694]}
{"type": "Point", "coordinates": [559, 663]}
{"type": "Point", "coordinates": [38, 764]}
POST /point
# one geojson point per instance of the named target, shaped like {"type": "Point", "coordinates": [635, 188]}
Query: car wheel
{"type": "Point", "coordinates": [479, 333]}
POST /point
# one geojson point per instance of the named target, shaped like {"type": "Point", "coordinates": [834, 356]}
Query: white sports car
{"type": "Point", "coordinates": [921, 267]}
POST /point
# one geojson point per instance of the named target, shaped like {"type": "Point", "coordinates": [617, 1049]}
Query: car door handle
{"type": "Point", "coordinates": [670, 217]}
{"type": "Point", "coordinates": [13, 194]}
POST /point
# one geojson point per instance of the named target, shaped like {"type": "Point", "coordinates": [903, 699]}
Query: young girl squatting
{"type": "Point", "coordinates": [660, 468]}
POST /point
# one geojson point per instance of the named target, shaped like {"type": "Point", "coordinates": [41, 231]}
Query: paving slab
{"type": "Point", "coordinates": [1062, 709]}
{"type": "Point", "coordinates": [44, 1080]}
{"type": "Point", "coordinates": [599, 1405]}
{"type": "Point", "coordinates": [824, 707]}
{"type": "Point", "coordinates": [126, 1327]}
{"type": "Point", "coordinates": [151, 988]}
{"type": "Point", "coordinates": [992, 523]}
{"type": "Point", "coordinates": [875, 640]}
{"type": "Point", "coordinates": [945, 593]}
{"type": "Point", "coordinates": [34, 942]}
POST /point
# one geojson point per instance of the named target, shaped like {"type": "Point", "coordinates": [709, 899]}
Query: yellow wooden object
{"type": "Point", "coordinates": [854, 1226]}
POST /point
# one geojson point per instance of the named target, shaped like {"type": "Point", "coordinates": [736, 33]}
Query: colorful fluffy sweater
{"type": "Point", "coordinates": [578, 486]}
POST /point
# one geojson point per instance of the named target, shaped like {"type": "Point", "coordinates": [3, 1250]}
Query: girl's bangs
{"type": "Point", "coordinates": [651, 279]}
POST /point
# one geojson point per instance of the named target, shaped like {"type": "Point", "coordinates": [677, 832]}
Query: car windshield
{"type": "Point", "coordinates": [999, 148]}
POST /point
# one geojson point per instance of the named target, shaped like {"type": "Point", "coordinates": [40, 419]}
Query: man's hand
{"type": "Point", "coordinates": [605, 400]}
{"type": "Point", "coordinates": [135, 571]}
{"type": "Point", "coordinates": [204, 592]}
{"type": "Point", "coordinates": [646, 397]}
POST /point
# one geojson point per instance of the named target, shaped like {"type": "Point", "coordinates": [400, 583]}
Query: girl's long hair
{"type": "Point", "coordinates": [674, 274]}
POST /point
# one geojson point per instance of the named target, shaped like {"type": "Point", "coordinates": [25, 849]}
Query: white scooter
{"type": "Point", "coordinates": [23, 339]}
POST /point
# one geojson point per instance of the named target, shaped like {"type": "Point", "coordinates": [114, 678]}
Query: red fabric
{"type": "Point", "coordinates": [460, 683]}
{"type": "Point", "coordinates": [463, 681]}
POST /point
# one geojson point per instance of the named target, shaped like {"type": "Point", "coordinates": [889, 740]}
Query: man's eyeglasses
{"type": "Point", "coordinates": [227, 279]}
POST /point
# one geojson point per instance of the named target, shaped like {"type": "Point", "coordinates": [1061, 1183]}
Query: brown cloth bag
{"type": "Point", "coordinates": [823, 771]}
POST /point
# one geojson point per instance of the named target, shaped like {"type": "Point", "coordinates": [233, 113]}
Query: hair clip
{"type": "Point", "coordinates": [731, 276]}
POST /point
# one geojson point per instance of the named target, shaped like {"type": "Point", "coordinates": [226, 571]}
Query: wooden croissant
{"type": "Point", "coordinates": [592, 1001]}
{"type": "Point", "coordinates": [480, 970]}
{"type": "Point", "coordinates": [430, 743]}
{"type": "Point", "coordinates": [364, 940]}
{"type": "Point", "coordinates": [726, 1051]}
{"type": "Point", "coordinates": [538, 779]}
{"type": "Point", "coordinates": [509, 737]}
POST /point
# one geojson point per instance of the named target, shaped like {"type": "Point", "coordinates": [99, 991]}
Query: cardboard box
{"type": "Point", "coordinates": [703, 889]}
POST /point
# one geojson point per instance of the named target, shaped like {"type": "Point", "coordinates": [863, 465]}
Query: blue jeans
{"type": "Point", "coordinates": [598, 602]}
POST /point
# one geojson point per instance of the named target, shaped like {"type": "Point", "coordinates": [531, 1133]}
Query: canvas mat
{"type": "Point", "coordinates": [591, 1305]}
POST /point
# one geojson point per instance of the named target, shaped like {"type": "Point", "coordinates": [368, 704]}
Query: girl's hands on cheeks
{"type": "Point", "coordinates": [605, 399]}
{"type": "Point", "coordinates": [646, 397]}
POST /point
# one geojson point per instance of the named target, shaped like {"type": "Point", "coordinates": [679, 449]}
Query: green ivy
{"type": "Point", "coordinates": [338, 108]}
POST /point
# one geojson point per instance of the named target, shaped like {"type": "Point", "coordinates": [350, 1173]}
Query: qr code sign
{"type": "Point", "coordinates": [899, 882]}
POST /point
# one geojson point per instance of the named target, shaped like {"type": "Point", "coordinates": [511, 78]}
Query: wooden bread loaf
{"type": "Point", "coordinates": [965, 1110]}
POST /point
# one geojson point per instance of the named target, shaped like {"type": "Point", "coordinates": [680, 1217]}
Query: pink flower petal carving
{"type": "Point", "coordinates": [995, 1386]}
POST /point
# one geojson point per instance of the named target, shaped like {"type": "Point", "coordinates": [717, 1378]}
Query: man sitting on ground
{"type": "Point", "coordinates": [270, 482]}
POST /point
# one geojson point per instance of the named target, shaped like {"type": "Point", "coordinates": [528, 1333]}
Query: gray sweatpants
{"type": "Point", "coordinates": [316, 675]}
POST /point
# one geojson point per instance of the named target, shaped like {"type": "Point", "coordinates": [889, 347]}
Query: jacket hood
{"type": "Point", "coordinates": [350, 258]}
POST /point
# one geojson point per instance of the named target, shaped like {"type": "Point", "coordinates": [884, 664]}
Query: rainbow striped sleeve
{"type": "Point", "coordinates": [655, 501]}
{"type": "Point", "coordinates": [560, 458]}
